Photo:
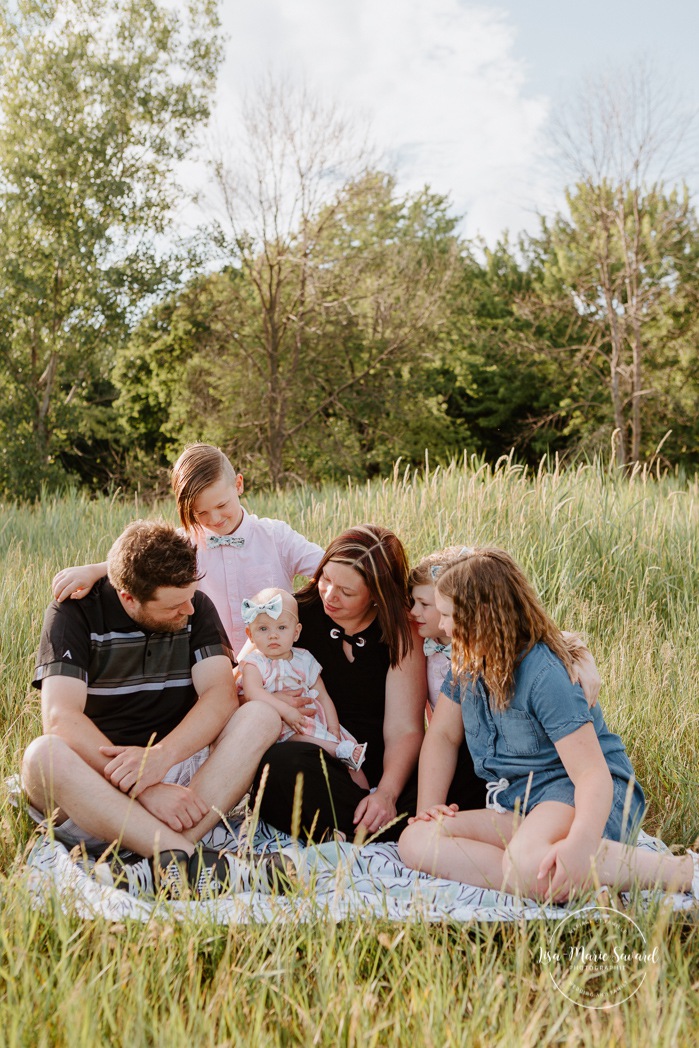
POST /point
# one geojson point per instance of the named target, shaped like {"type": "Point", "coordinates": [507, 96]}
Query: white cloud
{"type": "Point", "coordinates": [437, 79]}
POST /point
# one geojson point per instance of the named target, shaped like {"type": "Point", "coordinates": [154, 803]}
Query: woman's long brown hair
{"type": "Point", "coordinates": [497, 619]}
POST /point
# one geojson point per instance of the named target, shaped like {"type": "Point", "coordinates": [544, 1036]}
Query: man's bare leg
{"type": "Point", "coordinates": [55, 776]}
{"type": "Point", "coordinates": [226, 776]}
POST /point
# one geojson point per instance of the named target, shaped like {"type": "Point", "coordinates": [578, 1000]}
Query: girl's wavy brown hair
{"type": "Point", "coordinates": [497, 620]}
{"type": "Point", "coordinates": [379, 557]}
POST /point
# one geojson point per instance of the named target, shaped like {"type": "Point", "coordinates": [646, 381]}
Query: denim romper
{"type": "Point", "coordinates": [515, 747]}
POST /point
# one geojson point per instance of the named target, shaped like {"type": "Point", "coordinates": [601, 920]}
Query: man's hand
{"type": "Point", "coordinates": [374, 811]}
{"type": "Point", "coordinates": [133, 769]}
{"type": "Point", "coordinates": [178, 807]}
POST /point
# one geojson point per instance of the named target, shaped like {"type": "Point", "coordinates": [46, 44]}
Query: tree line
{"type": "Point", "coordinates": [325, 323]}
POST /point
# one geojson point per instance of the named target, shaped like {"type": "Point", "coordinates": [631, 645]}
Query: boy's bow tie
{"type": "Point", "coordinates": [433, 647]}
{"type": "Point", "coordinates": [213, 541]}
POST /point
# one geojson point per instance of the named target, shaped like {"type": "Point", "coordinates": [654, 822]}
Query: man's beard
{"type": "Point", "coordinates": [153, 625]}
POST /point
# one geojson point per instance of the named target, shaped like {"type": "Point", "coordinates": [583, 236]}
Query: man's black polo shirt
{"type": "Point", "coordinates": [138, 682]}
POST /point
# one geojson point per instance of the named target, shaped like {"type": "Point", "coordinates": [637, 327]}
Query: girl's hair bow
{"type": "Point", "coordinates": [250, 610]}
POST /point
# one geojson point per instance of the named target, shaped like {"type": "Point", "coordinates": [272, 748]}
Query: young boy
{"type": "Point", "coordinates": [238, 553]}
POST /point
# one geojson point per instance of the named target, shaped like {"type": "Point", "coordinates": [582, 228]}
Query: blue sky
{"type": "Point", "coordinates": [459, 95]}
{"type": "Point", "coordinates": [557, 39]}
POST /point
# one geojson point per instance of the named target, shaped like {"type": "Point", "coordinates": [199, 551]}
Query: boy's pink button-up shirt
{"type": "Point", "coordinates": [272, 555]}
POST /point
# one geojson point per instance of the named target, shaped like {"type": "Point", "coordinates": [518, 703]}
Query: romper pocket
{"type": "Point", "coordinates": [517, 731]}
{"type": "Point", "coordinates": [469, 715]}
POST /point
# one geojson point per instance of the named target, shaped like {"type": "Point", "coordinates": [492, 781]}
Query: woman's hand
{"type": "Point", "coordinates": [435, 813]}
{"type": "Point", "coordinates": [374, 812]}
{"type": "Point", "coordinates": [296, 700]}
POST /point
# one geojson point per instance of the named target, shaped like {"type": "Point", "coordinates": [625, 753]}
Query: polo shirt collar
{"type": "Point", "coordinates": [114, 609]}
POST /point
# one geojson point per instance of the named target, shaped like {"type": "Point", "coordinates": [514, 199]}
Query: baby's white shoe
{"type": "Point", "coordinates": [345, 754]}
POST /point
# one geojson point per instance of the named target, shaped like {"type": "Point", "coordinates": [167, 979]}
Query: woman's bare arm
{"type": "Point", "coordinates": [403, 731]}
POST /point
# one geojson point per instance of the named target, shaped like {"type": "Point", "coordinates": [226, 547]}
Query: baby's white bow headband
{"type": "Point", "coordinates": [250, 610]}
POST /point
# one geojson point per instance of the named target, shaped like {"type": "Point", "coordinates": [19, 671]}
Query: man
{"type": "Point", "coordinates": [144, 744]}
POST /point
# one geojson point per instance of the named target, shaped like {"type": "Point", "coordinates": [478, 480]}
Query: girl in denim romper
{"type": "Point", "coordinates": [563, 801]}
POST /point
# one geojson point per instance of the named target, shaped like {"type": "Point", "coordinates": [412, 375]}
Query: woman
{"type": "Point", "coordinates": [355, 619]}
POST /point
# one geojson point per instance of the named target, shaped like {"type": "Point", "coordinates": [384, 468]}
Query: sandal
{"type": "Point", "coordinates": [345, 751]}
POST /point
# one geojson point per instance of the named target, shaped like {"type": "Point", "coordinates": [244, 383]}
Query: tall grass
{"type": "Point", "coordinates": [614, 557]}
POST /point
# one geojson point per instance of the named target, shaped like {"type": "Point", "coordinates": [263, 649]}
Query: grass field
{"type": "Point", "coordinates": [615, 558]}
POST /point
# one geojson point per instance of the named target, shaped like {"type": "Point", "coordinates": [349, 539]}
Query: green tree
{"type": "Point", "coordinates": [620, 255]}
{"type": "Point", "coordinates": [343, 280]}
{"type": "Point", "coordinates": [168, 377]}
{"type": "Point", "coordinates": [327, 380]}
{"type": "Point", "coordinates": [624, 271]}
{"type": "Point", "coordinates": [500, 370]}
{"type": "Point", "coordinates": [99, 101]}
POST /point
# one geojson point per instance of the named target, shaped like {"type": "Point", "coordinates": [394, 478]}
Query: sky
{"type": "Point", "coordinates": [458, 95]}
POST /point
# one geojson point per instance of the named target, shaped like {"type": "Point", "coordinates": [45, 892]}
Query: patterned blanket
{"type": "Point", "coordinates": [344, 881]}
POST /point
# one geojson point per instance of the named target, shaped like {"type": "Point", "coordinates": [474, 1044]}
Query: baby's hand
{"type": "Point", "coordinates": [296, 700]}
{"type": "Point", "coordinates": [296, 720]}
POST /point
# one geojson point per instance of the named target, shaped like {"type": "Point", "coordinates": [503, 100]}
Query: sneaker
{"type": "Point", "coordinates": [133, 874]}
{"type": "Point", "coordinates": [209, 873]}
{"type": "Point", "coordinates": [213, 873]}
{"type": "Point", "coordinates": [171, 873]}
{"type": "Point", "coordinates": [276, 874]}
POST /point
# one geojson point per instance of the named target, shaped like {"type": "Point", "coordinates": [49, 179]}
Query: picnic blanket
{"type": "Point", "coordinates": [343, 881]}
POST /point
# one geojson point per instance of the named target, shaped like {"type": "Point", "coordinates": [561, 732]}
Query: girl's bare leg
{"type": "Point", "coordinates": [622, 866]}
{"type": "Point", "coordinates": [549, 822]}
{"type": "Point", "coordinates": [619, 866]}
{"type": "Point", "coordinates": [491, 850]}
{"type": "Point", "coordinates": [468, 847]}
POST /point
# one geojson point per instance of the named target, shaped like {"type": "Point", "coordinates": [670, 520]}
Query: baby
{"type": "Point", "coordinates": [274, 664]}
